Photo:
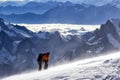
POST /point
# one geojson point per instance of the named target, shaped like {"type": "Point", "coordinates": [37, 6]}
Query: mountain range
{"type": "Point", "coordinates": [59, 12]}
{"type": "Point", "coordinates": [33, 7]}
{"type": "Point", "coordinates": [19, 47]}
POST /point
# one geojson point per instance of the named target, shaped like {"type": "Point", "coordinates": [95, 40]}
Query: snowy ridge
{"type": "Point", "coordinates": [100, 68]}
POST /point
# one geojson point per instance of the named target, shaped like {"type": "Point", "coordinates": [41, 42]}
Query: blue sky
{"type": "Point", "coordinates": [96, 2]}
{"type": "Point", "coordinates": [64, 0]}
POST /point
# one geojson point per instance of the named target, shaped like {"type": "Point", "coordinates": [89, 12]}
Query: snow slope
{"type": "Point", "coordinates": [105, 67]}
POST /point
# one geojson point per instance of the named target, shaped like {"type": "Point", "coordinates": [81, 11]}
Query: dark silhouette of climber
{"type": "Point", "coordinates": [43, 59]}
{"type": "Point", "coordinates": [39, 59]}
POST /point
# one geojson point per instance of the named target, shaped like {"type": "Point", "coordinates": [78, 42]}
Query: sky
{"type": "Point", "coordinates": [64, 0]}
{"type": "Point", "coordinates": [96, 2]}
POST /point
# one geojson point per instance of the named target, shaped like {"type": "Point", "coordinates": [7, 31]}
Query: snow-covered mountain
{"type": "Point", "coordinates": [107, 35]}
{"type": "Point", "coordinates": [30, 7]}
{"type": "Point", "coordinates": [11, 37]}
{"type": "Point", "coordinates": [59, 12]}
{"type": "Point", "coordinates": [19, 47]}
{"type": "Point", "coordinates": [105, 67]}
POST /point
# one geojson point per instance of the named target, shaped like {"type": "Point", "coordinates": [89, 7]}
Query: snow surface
{"type": "Point", "coordinates": [65, 29]}
{"type": "Point", "coordinates": [105, 67]}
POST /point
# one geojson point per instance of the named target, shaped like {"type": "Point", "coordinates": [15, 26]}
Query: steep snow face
{"type": "Point", "coordinates": [100, 68]}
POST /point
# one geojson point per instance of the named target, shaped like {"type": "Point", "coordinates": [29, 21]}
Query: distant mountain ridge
{"type": "Point", "coordinates": [67, 13]}
{"type": "Point", "coordinates": [32, 7]}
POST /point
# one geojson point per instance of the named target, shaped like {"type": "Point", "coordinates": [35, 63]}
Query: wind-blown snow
{"type": "Point", "coordinates": [65, 29]}
{"type": "Point", "coordinates": [105, 67]}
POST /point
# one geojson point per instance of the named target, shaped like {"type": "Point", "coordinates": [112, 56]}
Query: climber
{"type": "Point", "coordinates": [45, 59]}
{"type": "Point", "coordinates": [39, 60]}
